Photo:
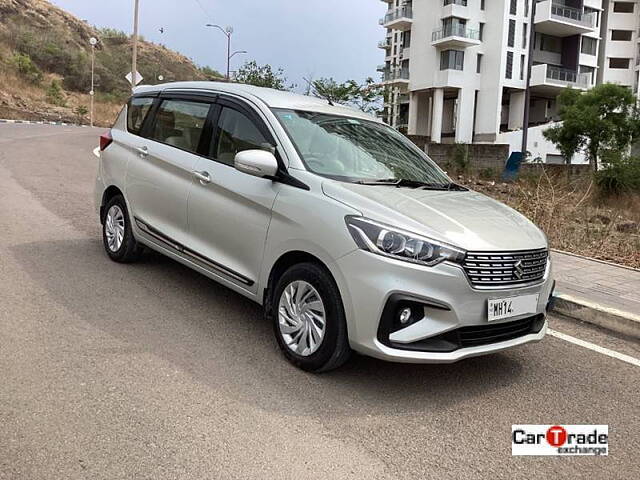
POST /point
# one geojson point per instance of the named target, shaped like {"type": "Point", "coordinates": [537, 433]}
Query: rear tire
{"type": "Point", "coordinates": [117, 233]}
{"type": "Point", "coordinates": [308, 319]}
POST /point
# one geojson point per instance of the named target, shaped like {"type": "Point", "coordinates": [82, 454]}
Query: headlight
{"type": "Point", "coordinates": [395, 243]}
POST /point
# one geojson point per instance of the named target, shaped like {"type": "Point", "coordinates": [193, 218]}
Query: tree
{"type": "Point", "coordinates": [366, 97]}
{"type": "Point", "coordinates": [262, 76]}
{"type": "Point", "coordinates": [604, 118]}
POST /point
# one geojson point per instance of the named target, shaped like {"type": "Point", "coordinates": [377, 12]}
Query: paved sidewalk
{"type": "Point", "coordinates": [597, 282]}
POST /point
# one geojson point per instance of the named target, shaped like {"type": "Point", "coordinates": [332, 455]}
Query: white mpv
{"type": "Point", "coordinates": [349, 235]}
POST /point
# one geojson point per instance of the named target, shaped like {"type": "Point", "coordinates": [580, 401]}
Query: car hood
{"type": "Point", "coordinates": [466, 219]}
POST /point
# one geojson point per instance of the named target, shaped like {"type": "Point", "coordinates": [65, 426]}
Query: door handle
{"type": "Point", "coordinates": [143, 151]}
{"type": "Point", "coordinates": [203, 177]}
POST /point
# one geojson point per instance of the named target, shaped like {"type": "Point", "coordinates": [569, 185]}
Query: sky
{"type": "Point", "coordinates": [307, 38]}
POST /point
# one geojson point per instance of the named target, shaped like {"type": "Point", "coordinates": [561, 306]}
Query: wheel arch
{"type": "Point", "coordinates": [110, 192]}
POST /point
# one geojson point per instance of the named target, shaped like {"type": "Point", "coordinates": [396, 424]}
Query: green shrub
{"type": "Point", "coordinates": [621, 174]}
{"type": "Point", "coordinates": [55, 95]}
{"type": "Point", "coordinates": [25, 66]}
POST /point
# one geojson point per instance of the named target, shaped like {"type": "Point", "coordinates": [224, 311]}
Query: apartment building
{"type": "Point", "coordinates": [456, 69]}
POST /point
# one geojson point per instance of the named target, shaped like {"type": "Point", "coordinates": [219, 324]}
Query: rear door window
{"type": "Point", "coordinates": [137, 112]}
{"type": "Point", "coordinates": [235, 133]}
{"type": "Point", "coordinates": [180, 123]}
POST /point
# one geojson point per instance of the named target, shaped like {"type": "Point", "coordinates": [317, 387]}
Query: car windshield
{"type": "Point", "coordinates": [359, 151]}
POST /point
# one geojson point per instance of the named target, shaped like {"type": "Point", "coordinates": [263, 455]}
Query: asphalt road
{"type": "Point", "coordinates": [153, 371]}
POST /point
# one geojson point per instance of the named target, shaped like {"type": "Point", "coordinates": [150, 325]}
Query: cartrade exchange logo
{"type": "Point", "coordinates": [560, 440]}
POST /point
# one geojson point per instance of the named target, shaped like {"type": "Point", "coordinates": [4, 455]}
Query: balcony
{"type": "Point", "coordinates": [549, 79]}
{"type": "Point", "coordinates": [554, 18]}
{"type": "Point", "coordinates": [455, 36]}
{"type": "Point", "coordinates": [400, 18]}
{"type": "Point", "coordinates": [403, 98]}
{"type": "Point", "coordinates": [398, 77]}
{"type": "Point", "coordinates": [381, 68]}
{"type": "Point", "coordinates": [405, 53]}
{"type": "Point", "coordinates": [386, 43]}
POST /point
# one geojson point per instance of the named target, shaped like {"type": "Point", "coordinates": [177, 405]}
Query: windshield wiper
{"type": "Point", "coordinates": [443, 186]}
{"type": "Point", "coordinates": [399, 182]}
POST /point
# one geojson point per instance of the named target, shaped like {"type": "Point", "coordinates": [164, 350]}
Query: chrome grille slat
{"type": "Point", "coordinates": [487, 269]}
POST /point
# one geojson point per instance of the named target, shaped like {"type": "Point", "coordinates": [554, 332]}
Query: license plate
{"type": "Point", "coordinates": [499, 308]}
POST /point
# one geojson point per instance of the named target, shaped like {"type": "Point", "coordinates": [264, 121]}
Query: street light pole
{"type": "Point", "coordinates": [228, 31]}
{"type": "Point", "coordinates": [93, 41]}
{"type": "Point", "coordinates": [527, 91]}
{"type": "Point", "coordinates": [134, 59]}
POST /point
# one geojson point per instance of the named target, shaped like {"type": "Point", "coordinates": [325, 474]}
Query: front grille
{"type": "Point", "coordinates": [505, 269]}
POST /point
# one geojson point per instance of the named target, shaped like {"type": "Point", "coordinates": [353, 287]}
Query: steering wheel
{"type": "Point", "coordinates": [315, 161]}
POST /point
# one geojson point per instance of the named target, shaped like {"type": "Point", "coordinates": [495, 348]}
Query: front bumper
{"type": "Point", "coordinates": [369, 281]}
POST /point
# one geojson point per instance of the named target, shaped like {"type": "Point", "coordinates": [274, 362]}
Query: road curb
{"type": "Point", "coordinates": [618, 321]}
{"type": "Point", "coordinates": [34, 122]}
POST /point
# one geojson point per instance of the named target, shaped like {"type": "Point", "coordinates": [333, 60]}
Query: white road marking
{"type": "Point", "coordinates": [594, 347]}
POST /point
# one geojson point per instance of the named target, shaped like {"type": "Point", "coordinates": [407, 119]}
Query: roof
{"type": "Point", "coordinates": [269, 96]}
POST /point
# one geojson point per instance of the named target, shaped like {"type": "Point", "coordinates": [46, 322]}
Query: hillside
{"type": "Point", "coordinates": [45, 64]}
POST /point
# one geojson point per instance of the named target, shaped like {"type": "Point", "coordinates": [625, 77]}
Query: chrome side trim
{"type": "Point", "coordinates": [178, 247]}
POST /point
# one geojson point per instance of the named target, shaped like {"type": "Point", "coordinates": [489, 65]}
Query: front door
{"type": "Point", "coordinates": [230, 211]}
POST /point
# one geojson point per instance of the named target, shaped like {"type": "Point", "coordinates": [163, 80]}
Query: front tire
{"type": "Point", "coordinates": [117, 233]}
{"type": "Point", "coordinates": [308, 319]}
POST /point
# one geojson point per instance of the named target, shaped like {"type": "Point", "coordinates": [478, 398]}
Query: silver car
{"type": "Point", "coordinates": [349, 235]}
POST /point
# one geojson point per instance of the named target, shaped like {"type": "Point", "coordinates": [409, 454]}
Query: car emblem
{"type": "Point", "coordinates": [518, 270]}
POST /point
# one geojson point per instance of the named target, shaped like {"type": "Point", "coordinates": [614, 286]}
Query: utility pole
{"type": "Point", "coordinates": [93, 41]}
{"type": "Point", "coordinates": [527, 91]}
{"type": "Point", "coordinates": [134, 59]}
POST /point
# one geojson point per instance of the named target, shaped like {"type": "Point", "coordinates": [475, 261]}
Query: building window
{"type": "Point", "coordinates": [589, 70]}
{"type": "Point", "coordinates": [509, 69]}
{"type": "Point", "coordinates": [596, 14]}
{"type": "Point", "coordinates": [550, 44]}
{"type": "Point", "coordinates": [481, 32]}
{"type": "Point", "coordinates": [526, 7]}
{"type": "Point", "coordinates": [525, 28]}
{"type": "Point", "coordinates": [589, 46]}
{"type": "Point", "coordinates": [522, 66]}
{"type": "Point", "coordinates": [618, 63]}
{"type": "Point", "coordinates": [623, 7]}
{"type": "Point", "coordinates": [621, 35]}
{"type": "Point", "coordinates": [513, 10]}
{"type": "Point", "coordinates": [481, 4]}
{"type": "Point", "coordinates": [457, 2]}
{"type": "Point", "coordinates": [511, 37]}
{"type": "Point", "coordinates": [452, 60]}
{"type": "Point", "coordinates": [479, 63]}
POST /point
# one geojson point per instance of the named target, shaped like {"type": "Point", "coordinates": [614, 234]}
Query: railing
{"type": "Point", "coordinates": [401, 12]}
{"type": "Point", "coordinates": [403, 98]}
{"type": "Point", "coordinates": [397, 74]}
{"type": "Point", "coordinates": [571, 14]}
{"type": "Point", "coordinates": [384, 43]}
{"type": "Point", "coordinates": [565, 75]}
{"type": "Point", "coordinates": [381, 68]}
{"type": "Point", "coordinates": [455, 31]}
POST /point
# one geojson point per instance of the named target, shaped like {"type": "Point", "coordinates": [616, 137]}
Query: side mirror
{"type": "Point", "coordinates": [258, 163]}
